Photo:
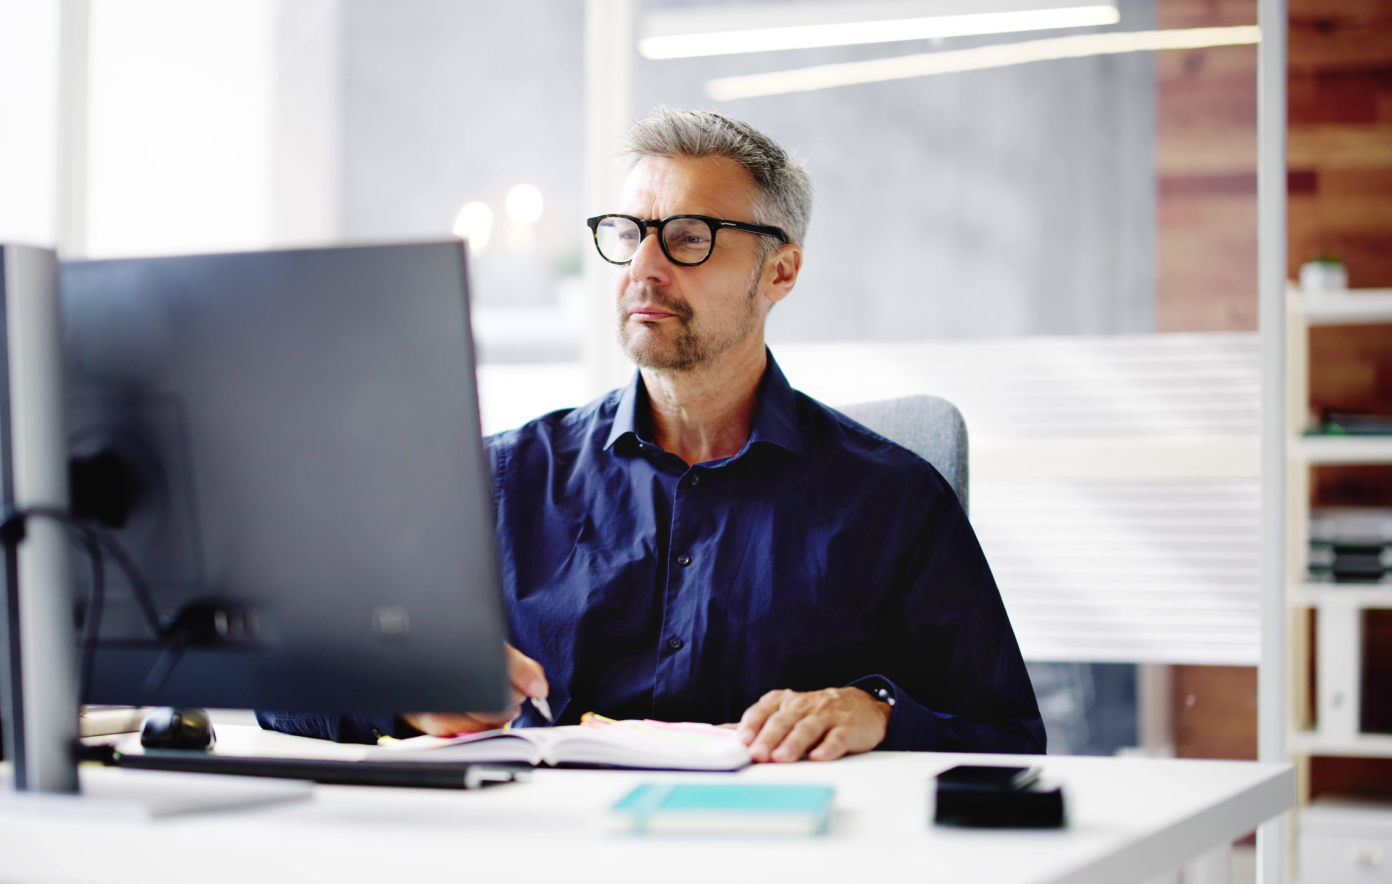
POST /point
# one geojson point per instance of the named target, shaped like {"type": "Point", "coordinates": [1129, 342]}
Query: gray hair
{"type": "Point", "coordinates": [783, 193]}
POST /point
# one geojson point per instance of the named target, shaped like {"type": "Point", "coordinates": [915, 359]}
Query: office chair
{"type": "Point", "coordinates": [930, 427]}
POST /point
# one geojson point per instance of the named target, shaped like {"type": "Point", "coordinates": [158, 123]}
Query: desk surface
{"type": "Point", "coordinates": [1129, 820]}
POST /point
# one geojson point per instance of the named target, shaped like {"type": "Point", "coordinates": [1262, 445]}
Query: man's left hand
{"type": "Point", "coordinates": [834, 722]}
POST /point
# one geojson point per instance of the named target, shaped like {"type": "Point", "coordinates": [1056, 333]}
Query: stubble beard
{"type": "Point", "coordinates": [694, 345]}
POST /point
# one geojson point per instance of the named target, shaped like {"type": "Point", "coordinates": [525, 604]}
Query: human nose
{"type": "Point", "coordinates": [649, 264]}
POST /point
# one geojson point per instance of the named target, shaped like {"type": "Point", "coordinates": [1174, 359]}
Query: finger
{"type": "Point", "coordinates": [834, 745]}
{"type": "Point", "coordinates": [443, 724]}
{"type": "Point", "coordinates": [754, 717]}
{"type": "Point", "coordinates": [772, 734]}
{"type": "Point", "coordinates": [527, 677]}
{"type": "Point", "coordinates": [804, 735]}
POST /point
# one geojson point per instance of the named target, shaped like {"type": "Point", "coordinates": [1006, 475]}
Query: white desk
{"type": "Point", "coordinates": [1129, 821]}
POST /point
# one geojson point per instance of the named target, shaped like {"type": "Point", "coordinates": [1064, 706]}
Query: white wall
{"type": "Point", "coordinates": [28, 120]}
{"type": "Point", "coordinates": [181, 111]}
{"type": "Point", "coordinates": [211, 126]}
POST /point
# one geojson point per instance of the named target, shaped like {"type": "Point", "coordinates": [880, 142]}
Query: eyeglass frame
{"type": "Point", "coordinates": [715, 225]}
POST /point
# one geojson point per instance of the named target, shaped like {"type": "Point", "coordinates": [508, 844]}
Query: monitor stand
{"type": "Point", "coordinates": [38, 659]}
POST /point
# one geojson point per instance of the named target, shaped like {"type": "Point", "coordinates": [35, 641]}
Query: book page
{"type": "Point", "coordinates": [649, 744]}
{"type": "Point", "coordinates": [641, 744]}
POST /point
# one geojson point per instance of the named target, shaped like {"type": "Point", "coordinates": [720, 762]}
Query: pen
{"type": "Point", "coordinates": [542, 707]}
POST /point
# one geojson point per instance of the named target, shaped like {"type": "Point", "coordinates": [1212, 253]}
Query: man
{"type": "Point", "coordinates": [707, 544]}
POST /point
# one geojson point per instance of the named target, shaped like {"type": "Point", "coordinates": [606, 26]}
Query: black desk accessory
{"type": "Point", "coordinates": [997, 797]}
{"type": "Point", "coordinates": [401, 774]}
{"type": "Point", "coordinates": [170, 728]}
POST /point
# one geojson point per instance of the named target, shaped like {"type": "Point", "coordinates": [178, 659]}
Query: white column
{"type": "Point", "coordinates": [71, 202]}
{"type": "Point", "coordinates": [307, 147]}
{"type": "Point", "coordinates": [1272, 676]}
{"type": "Point", "coordinates": [609, 58]}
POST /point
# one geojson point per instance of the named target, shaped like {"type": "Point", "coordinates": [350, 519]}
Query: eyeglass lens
{"type": "Point", "coordinates": [687, 240]}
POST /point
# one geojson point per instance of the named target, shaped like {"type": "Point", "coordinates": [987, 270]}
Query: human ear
{"type": "Point", "coordinates": [786, 263]}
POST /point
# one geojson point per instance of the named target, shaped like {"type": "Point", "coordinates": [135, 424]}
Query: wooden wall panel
{"type": "Point", "coordinates": [1352, 369]}
{"type": "Point", "coordinates": [1209, 255]}
{"type": "Point", "coordinates": [1206, 155]}
{"type": "Point", "coordinates": [1206, 261]}
{"type": "Point", "coordinates": [1215, 712]}
{"type": "Point", "coordinates": [1339, 152]}
{"type": "Point", "coordinates": [1340, 138]}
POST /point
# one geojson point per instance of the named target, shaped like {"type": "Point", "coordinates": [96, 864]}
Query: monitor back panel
{"type": "Point", "coordinates": [299, 440]}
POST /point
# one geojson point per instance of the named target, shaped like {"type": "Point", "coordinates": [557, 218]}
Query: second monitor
{"type": "Point", "coordinates": [288, 446]}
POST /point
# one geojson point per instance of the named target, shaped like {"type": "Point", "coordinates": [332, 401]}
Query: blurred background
{"type": "Point", "coordinates": [1045, 212]}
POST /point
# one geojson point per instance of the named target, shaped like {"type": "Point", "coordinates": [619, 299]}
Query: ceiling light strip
{"type": "Point", "coordinates": [956, 61]}
{"type": "Point", "coordinates": [857, 33]}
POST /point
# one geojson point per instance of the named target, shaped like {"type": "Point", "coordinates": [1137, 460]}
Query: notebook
{"type": "Point", "coordinates": [597, 742]}
{"type": "Point", "coordinates": [734, 809]}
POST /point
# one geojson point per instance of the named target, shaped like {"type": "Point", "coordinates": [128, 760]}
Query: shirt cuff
{"type": "Point", "coordinates": [912, 728]}
{"type": "Point", "coordinates": [339, 728]}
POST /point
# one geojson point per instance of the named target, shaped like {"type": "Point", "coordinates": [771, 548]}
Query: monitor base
{"type": "Point", "coordinates": [109, 793]}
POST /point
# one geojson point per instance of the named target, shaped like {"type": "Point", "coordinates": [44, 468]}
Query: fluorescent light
{"type": "Point", "coordinates": [954, 61]}
{"type": "Point", "coordinates": [854, 33]}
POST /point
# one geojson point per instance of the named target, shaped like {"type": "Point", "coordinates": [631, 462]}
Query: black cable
{"type": "Point", "coordinates": [92, 538]}
{"type": "Point", "coordinates": [174, 636]}
{"type": "Point", "coordinates": [137, 581]}
{"type": "Point", "coordinates": [100, 536]}
{"type": "Point", "coordinates": [92, 620]}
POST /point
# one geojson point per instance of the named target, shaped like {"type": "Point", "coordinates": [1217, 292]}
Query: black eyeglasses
{"type": "Point", "coordinates": [687, 240]}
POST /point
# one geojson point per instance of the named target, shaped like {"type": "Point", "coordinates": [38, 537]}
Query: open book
{"type": "Point", "coordinates": [597, 742]}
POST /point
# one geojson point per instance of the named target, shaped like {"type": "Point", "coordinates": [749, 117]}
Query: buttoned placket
{"type": "Point", "coordinates": [679, 597]}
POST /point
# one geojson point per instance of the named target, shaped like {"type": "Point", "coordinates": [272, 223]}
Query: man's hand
{"type": "Point", "coordinates": [783, 725]}
{"type": "Point", "coordinates": [528, 680]}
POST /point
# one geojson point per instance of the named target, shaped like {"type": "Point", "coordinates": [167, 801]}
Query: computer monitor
{"type": "Point", "coordinates": [287, 445]}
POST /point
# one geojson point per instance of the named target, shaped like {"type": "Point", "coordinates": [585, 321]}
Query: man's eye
{"type": "Point", "coordinates": [629, 236]}
{"type": "Point", "coordinates": [694, 239]}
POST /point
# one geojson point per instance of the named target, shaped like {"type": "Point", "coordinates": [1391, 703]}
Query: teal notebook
{"type": "Point", "coordinates": [744, 809]}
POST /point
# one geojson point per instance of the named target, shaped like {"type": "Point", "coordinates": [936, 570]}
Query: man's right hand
{"type": "Point", "coordinates": [528, 680]}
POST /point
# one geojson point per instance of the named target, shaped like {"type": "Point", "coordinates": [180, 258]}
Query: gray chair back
{"type": "Point", "coordinates": [928, 426]}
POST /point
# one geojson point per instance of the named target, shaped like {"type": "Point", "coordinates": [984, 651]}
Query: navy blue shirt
{"type": "Point", "coordinates": [820, 555]}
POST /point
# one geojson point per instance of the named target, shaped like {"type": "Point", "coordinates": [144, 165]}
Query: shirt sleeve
{"type": "Point", "coordinates": [953, 667]}
{"type": "Point", "coordinates": [341, 728]}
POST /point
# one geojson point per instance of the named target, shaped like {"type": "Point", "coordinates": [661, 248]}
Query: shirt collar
{"type": "Point", "coordinates": [775, 416]}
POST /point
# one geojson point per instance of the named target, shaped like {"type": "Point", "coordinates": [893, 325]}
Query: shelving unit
{"type": "Point", "coordinates": [1317, 595]}
{"type": "Point", "coordinates": [1331, 450]}
{"type": "Point", "coordinates": [1359, 307]}
{"type": "Point", "coordinates": [1337, 609]}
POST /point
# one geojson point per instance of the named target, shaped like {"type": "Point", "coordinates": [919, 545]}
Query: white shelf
{"type": "Point", "coordinates": [1362, 746]}
{"type": "Point", "coordinates": [1327, 450]}
{"type": "Point", "coordinates": [1317, 595]}
{"type": "Point", "coordinates": [1356, 307]}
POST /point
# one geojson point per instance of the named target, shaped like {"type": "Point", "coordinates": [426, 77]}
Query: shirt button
{"type": "Point", "coordinates": [675, 643]}
{"type": "Point", "coordinates": [695, 480]}
{"type": "Point", "coordinates": [683, 560]}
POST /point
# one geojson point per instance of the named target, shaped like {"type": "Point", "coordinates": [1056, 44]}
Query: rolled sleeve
{"type": "Point", "coordinates": [952, 664]}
